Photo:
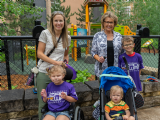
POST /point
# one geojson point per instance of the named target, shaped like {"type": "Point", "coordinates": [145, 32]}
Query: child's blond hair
{"type": "Point", "coordinates": [127, 39]}
{"type": "Point", "coordinates": [115, 89]}
{"type": "Point", "coordinates": [56, 68]}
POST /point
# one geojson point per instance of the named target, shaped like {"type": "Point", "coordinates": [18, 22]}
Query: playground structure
{"type": "Point", "coordinates": [31, 48]}
{"type": "Point", "coordinates": [147, 44]}
{"type": "Point", "coordinates": [123, 30]}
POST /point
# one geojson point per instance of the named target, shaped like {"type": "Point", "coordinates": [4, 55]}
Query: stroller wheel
{"type": "Point", "coordinates": [78, 115]}
{"type": "Point", "coordinates": [139, 102]}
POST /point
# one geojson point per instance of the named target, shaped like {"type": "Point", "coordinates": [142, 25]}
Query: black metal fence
{"type": "Point", "coordinates": [16, 64]}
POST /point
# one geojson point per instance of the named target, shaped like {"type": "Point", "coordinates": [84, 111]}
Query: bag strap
{"type": "Point", "coordinates": [53, 47]}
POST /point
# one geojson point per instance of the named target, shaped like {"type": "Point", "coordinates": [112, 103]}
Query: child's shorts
{"type": "Point", "coordinates": [55, 114]}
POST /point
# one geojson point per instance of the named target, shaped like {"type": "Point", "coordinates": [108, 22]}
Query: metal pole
{"type": "Point", "coordinates": [159, 58]}
{"type": "Point", "coordinates": [137, 47]}
{"type": "Point", "coordinates": [21, 55]}
{"type": "Point", "coordinates": [102, 112]}
{"type": "Point", "coordinates": [7, 64]}
{"type": "Point", "coordinates": [36, 49]}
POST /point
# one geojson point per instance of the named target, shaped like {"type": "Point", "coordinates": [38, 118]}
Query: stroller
{"type": "Point", "coordinates": [116, 76]}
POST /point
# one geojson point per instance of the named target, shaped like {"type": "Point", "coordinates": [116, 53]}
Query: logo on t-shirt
{"type": "Point", "coordinates": [55, 97]}
{"type": "Point", "coordinates": [132, 66]}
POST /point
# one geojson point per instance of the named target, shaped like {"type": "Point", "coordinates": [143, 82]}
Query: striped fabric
{"type": "Point", "coordinates": [116, 109]}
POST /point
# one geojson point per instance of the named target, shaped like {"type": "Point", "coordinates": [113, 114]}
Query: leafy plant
{"type": "Point", "coordinates": [2, 57]}
{"type": "Point", "coordinates": [31, 54]}
{"type": "Point", "coordinates": [21, 15]}
{"type": "Point", "coordinates": [13, 87]}
{"type": "Point", "coordinates": [82, 76]}
{"type": "Point", "coordinates": [17, 56]}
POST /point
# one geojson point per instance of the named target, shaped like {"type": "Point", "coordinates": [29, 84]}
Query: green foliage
{"type": "Point", "coordinates": [58, 7]}
{"type": "Point", "coordinates": [2, 57]}
{"type": "Point", "coordinates": [21, 16]}
{"type": "Point", "coordinates": [13, 87]}
{"type": "Point", "coordinates": [17, 56]}
{"type": "Point", "coordinates": [71, 46]}
{"type": "Point", "coordinates": [119, 8]}
{"type": "Point", "coordinates": [81, 76]}
{"type": "Point", "coordinates": [83, 49]}
{"type": "Point", "coordinates": [144, 13]}
{"type": "Point", "coordinates": [31, 54]}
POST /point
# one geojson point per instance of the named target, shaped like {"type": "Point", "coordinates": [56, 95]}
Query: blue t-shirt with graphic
{"type": "Point", "coordinates": [55, 102]}
{"type": "Point", "coordinates": [135, 63]}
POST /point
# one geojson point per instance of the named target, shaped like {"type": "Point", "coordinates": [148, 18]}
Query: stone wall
{"type": "Point", "coordinates": [22, 104]}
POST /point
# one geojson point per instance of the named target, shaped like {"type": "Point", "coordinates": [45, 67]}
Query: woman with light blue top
{"type": "Point", "coordinates": [106, 44]}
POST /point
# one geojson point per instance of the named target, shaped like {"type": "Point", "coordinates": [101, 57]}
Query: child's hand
{"type": "Point", "coordinates": [44, 93]}
{"type": "Point", "coordinates": [63, 95]}
{"type": "Point", "coordinates": [125, 117]}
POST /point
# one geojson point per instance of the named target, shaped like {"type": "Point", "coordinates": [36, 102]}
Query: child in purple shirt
{"type": "Point", "coordinates": [135, 62]}
{"type": "Point", "coordinates": [58, 94]}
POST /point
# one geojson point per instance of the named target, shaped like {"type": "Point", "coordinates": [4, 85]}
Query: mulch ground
{"type": "Point", "coordinates": [146, 50]}
{"type": "Point", "coordinates": [18, 82]}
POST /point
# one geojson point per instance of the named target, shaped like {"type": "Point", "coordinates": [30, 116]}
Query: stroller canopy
{"type": "Point", "coordinates": [108, 82]}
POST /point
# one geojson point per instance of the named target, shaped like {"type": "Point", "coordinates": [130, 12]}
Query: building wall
{"type": "Point", "coordinates": [42, 3]}
{"type": "Point", "coordinates": [75, 4]}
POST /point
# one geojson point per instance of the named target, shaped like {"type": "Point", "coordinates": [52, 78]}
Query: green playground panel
{"type": "Point", "coordinates": [95, 25]}
{"type": "Point", "coordinates": [118, 28]}
{"type": "Point", "coordinates": [71, 31]}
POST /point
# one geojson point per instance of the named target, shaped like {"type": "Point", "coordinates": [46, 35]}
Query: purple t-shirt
{"type": "Point", "coordinates": [55, 102]}
{"type": "Point", "coordinates": [135, 63]}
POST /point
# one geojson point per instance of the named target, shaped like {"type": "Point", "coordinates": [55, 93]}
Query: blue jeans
{"type": "Point", "coordinates": [55, 114]}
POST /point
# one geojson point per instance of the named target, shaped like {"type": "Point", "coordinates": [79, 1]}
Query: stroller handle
{"type": "Point", "coordinates": [112, 75]}
{"type": "Point", "coordinates": [126, 63]}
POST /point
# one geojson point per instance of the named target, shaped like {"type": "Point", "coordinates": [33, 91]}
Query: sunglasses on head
{"type": "Point", "coordinates": [57, 12]}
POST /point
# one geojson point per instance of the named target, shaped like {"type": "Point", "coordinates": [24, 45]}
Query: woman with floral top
{"type": "Point", "coordinates": [106, 44]}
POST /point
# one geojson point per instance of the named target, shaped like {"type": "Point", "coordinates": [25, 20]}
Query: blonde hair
{"type": "Point", "coordinates": [115, 89]}
{"type": "Point", "coordinates": [110, 15]}
{"type": "Point", "coordinates": [64, 30]}
{"type": "Point", "coordinates": [56, 68]}
{"type": "Point", "coordinates": [127, 39]}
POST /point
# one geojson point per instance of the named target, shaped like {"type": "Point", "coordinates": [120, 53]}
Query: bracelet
{"type": "Point", "coordinates": [65, 61]}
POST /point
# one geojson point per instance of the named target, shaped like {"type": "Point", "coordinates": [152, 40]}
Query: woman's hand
{"type": "Point", "coordinates": [101, 59]}
{"type": "Point", "coordinates": [61, 63]}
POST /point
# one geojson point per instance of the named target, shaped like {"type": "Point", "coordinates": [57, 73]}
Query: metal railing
{"type": "Point", "coordinates": [15, 57]}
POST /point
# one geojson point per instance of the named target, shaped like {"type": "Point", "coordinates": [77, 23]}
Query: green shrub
{"type": "Point", "coordinates": [17, 56]}
{"type": "Point", "coordinates": [31, 54]}
{"type": "Point", "coordinates": [2, 57]}
{"type": "Point", "coordinates": [82, 76]}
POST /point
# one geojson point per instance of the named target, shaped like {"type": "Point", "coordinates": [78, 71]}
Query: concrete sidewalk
{"type": "Point", "coordinates": [152, 113]}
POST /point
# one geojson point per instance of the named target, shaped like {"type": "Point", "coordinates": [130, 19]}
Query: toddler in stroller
{"type": "Point", "coordinates": [110, 77]}
{"type": "Point", "coordinates": [117, 107]}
